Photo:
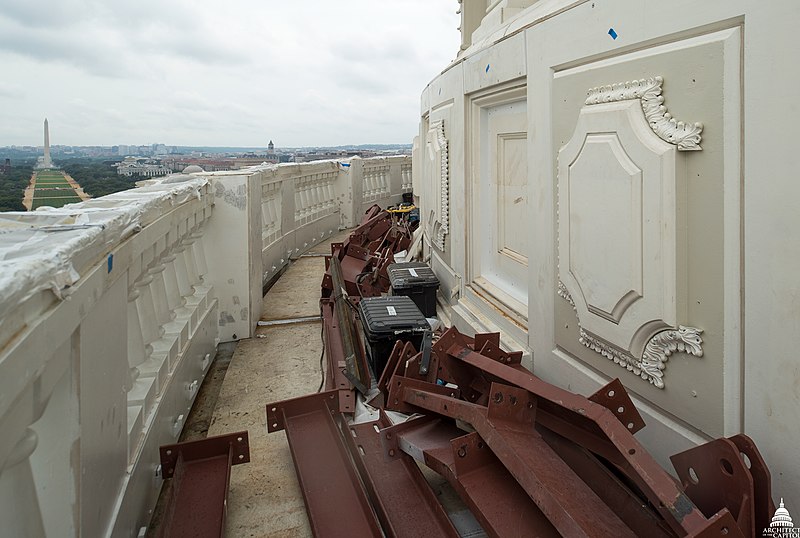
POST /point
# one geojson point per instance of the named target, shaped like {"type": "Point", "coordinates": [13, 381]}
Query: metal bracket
{"type": "Point", "coordinates": [614, 397]}
{"type": "Point", "coordinates": [342, 401]}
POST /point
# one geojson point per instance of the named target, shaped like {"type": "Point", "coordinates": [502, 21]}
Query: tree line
{"type": "Point", "coordinates": [97, 177]}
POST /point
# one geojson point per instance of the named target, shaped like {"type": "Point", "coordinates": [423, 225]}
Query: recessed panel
{"type": "Point", "coordinates": [605, 212]}
{"type": "Point", "coordinates": [512, 196]}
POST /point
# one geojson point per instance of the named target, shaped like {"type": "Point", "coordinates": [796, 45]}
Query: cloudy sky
{"type": "Point", "coordinates": [219, 73]}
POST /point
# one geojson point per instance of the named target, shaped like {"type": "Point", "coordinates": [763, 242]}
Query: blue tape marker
{"type": "Point", "coordinates": [110, 262]}
{"type": "Point", "coordinates": [612, 33]}
{"type": "Point", "coordinates": [487, 68]}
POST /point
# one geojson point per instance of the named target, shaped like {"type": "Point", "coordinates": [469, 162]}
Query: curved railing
{"type": "Point", "coordinates": [110, 313]}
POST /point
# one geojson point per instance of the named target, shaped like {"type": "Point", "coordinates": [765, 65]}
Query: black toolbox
{"type": "Point", "coordinates": [386, 320]}
{"type": "Point", "coordinates": [418, 281]}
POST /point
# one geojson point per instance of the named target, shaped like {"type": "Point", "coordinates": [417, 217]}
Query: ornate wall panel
{"type": "Point", "coordinates": [437, 185]}
{"type": "Point", "coordinates": [618, 220]}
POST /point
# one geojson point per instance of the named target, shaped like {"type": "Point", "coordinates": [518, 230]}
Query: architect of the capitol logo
{"type": "Point", "coordinates": [781, 525]}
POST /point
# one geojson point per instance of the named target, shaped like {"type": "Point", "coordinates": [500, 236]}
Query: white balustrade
{"type": "Point", "coordinates": [405, 177]}
{"type": "Point", "coordinates": [155, 279]}
{"type": "Point", "coordinates": [376, 181]}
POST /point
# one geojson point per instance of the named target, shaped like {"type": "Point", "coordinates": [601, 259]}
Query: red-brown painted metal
{"type": "Point", "coordinates": [615, 398]}
{"type": "Point", "coordinates": [405, 504]}
{"type": "Point", "coordinates": [597, 429]}
{"type": "Point", "coordinates": [366, 254]}
{"type": "Point", "coordinates": [498, 502]}
{"type": "Point", "coordinates": [334, 352]}
{"type": "Point", "coordinates": [763, 505]}
{"type": "Point", "coordinates": [602, 425]}
{"type": "Point", "coordinates": [507, 427]}
{"type": "Point", "coordinates": [336, 502]}
{"type": "Point", "coordinates": [715, 478]}
{"type": "Point", "coordinates": [615, 493]}
{"type": "Point", "coordinates": [200, 471]}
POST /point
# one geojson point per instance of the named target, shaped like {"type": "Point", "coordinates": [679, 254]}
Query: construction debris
{"type": "Point", "coordinates": [200, 471]}
{"type": "Point", "coordinates": [528, 458]}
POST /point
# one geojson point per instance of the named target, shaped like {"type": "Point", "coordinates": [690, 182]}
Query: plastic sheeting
{"type": "Point", "coordinates": [47, 248]}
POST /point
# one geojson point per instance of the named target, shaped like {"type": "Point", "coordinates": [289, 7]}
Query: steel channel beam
{"type": "Point", "coordinates": [336, 502]}
{"type": "Point", "coordinates": [334, 354]}
{"type": "Point", "coordinates": [638, 515]}
{"type": "Point", "coordinates": [507, 427]}
{"type": "Point", "coordinates": [599, 422]}
{"type": "Point", "coordinates": [405, 504]}
{"type": "Point", "coordinates": [357, 370]}
{"type": "Point", "coordinates": [497, 501]}
{"type": "Point", "coordinates": [201, 472]}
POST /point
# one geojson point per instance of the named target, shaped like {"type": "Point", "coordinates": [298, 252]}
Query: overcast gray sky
{"type": "Point", "coordinates": [219, 73]}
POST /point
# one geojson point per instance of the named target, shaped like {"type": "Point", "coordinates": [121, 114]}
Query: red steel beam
{"type": "Point", "coordinates": [500, 505]}
{"type": "Point", "coordinates": [405, 504]}
{"type": "Point", "coordinates": [507, 427]}
{"type": "Point", "coordinates": [336, 502]}
{"type": "Point", "coordinates": [597, 426]}
{"type": "Point", "coordinates": [201, 472]}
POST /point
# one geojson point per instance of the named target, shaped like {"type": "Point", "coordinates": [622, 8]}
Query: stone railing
{"type": "Point", "coordinates": [110, 313]}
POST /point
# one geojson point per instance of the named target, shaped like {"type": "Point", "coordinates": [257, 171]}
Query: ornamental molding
{"type": "Point", "coordinates": [657, 351]}
{"type": "Point", "coordinates": [685, 135]}
{"type": "Point", "coordinates": [442, 226]}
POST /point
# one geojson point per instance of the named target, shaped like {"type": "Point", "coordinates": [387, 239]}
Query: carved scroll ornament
{"type": "Point", "coordinates": [685, 135]}
{"type": "Point", "coordinates": [661, 345]}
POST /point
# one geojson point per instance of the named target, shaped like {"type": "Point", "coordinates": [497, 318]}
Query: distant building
{"type": "Point", "coordinates": [131, 166]}
{"type": "Point", "coordinates": [5, 167]}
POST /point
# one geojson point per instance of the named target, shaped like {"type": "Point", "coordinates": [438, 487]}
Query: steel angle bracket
{"type": "Point", "coordinates": [469, 465]}
{"type": "Point", "coordinates": [716, 478]}
{"type": "Point", "coordinates": [764, 506]}
{"type": "Point", "coordinates": [614, 397]}
{"type": "Point", "coordinates": [340, 401]}
{"type": "Point", "coordinates": [507, 428]}
{"type": "Point", "coordinates": [597, 429]}
{"type": "Point", "coordinates": [201, 472]}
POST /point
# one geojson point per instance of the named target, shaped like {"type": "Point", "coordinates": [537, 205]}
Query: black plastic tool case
{"type": "Point", "coordinates": [386, 320]}
{"type": "Point", "coordinates": [418, 281]}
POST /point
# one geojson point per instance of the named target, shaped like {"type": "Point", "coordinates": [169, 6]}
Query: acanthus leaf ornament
{"type": "Point", "coordinates": [685, 135]}
{"type": "Point", "coordinates": [657, 351]}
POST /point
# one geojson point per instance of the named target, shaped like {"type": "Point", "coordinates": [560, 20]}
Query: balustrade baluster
{"type": "Point", "coordinates": [20, 504]}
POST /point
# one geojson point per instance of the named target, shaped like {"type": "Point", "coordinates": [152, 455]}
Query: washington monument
{"type": "Point", "coordinates": [46, 162]}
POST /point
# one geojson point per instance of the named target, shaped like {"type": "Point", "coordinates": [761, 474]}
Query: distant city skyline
{"type": "Point", "coordinates": [303, 73]}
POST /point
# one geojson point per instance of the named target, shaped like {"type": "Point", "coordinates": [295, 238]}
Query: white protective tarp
{"type": "Point", "coordinates": [44, 249]}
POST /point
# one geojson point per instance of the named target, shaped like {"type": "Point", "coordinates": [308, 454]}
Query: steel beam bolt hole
{"type": "Point", "coordinates": [746, 460]}
{"type": "Point", "coordinates": [693, 476]}
{"type": "Point", "coordinates": [726, 466]}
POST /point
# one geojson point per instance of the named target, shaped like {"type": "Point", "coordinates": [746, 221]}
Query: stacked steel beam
{"type": "Point", "coordinates": [528, 458]}
{"type": "Point", "coordinates": [366, 254]}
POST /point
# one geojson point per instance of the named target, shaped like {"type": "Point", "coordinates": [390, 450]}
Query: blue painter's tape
{"type": "Point", "coordinates": [487, 68]}
{"type": "Point", "coordinates": [110, 262]}
{"type": "Point", "coordinates": [612, 33]}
